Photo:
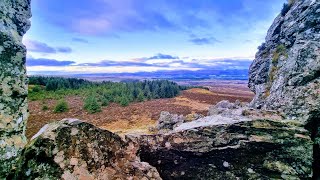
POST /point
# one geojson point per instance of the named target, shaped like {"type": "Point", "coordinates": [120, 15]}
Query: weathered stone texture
{"type": "Point", "coordinates": [259, 149]}
{"type": "Point", "coordinates": [285, 74]}
{"type": "Point", "coordinates": [71, 149]}
{"type": "Point", "coordinates": [286, 71]}
{"type": "Point", "coordinates": [14, 22]}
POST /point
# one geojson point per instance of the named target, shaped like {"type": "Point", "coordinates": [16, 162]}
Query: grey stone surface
{"type": "Point", "coordinates": [167, 121]}
{"type": "Point", "coordinates": [285, 74]}
{"type": "Point", "coordinates": [72, 149]}
{"type": "Point", "coordinates": [14, 22]}
{"type": "Point", "coordinates": [286, 71]}
{"type": "Point", "coordinates": [259, 149]}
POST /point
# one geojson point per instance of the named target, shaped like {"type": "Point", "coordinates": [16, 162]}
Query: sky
{"type": "Point", "coordinates": [115, 36]}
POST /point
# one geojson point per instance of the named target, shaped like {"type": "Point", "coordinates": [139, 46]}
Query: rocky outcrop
{"type": "Point", "coordinates": [14, 23]}
{"type": "Point", "coordinates": [286, 71]}
{"type": "Point", "coordinates": [233, 142]}
{"type": "Point", "coordinates": [259, 149]}
{"type": "Point", "coordinates": [168, 121]}
{"type": "Point", "coordinates": [72, 149]}
{"type": "Point", "coordinates": [285, 74]}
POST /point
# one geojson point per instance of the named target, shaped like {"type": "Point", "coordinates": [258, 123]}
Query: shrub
{"type": "Point", "coordinates": [140, 97]}
{"type": "Point", "coordinates": [91, 105]}
{"type": "Point", "coordinates": [61, 107]}
{"type": "Point", "coordinates": [104, 102]}
{"type": "Point", "coordinates": [36, 89]}
{"type": "Point", "coordinates": [45, 108]}
{"type": "Point", "coordinates": [124, 101]}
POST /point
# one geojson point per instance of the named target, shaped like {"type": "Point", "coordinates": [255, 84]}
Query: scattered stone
{"type": "Point", "coordinates": [168, 121]}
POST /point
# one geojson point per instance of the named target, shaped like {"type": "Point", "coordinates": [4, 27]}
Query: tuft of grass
{"type": "Point", "coordinates": [281, 50]}
{"type": "Point", "coordinates": [273, 73]}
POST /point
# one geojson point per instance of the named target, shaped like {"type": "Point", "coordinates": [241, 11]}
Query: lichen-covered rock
{"type": "Point", "coordinates": [259, 149]}
{"type": "Point", "coordinates": [285, 74]}
{"type": "Point", "coordinates": [192, 117]}
{"type": "Point", "coordinates": [71, 149]}
{"type": "Point", "coordinates": [14, 22]}
{"type": "Point", "coordinates": [286, 71]}
{"type": "Point", "coordinates": [168, 121]}
{"type": "Point", "coordinates": [226, 108]}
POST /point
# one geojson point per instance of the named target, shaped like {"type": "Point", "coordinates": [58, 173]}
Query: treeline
{"type": "Point", "coordinates": [101, 94]}
{"type": "Point", "coordinates": [55, 83]}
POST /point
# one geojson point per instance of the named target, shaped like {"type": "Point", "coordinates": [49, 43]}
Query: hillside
{"type": "Point", "coordinates": [139, 116]}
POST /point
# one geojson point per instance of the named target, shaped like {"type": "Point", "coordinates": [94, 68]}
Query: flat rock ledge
{"type": "Point", "coordinates": [258, 149]}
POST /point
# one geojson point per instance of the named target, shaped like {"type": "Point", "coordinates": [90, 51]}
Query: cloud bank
{"type": "Point", "coordinates": [40, 47]}
{"type": "Point", "coordinates": [153, 63]}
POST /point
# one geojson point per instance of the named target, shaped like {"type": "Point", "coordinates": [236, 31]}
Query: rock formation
{"type": "Point", "coordinates": [14, 23]}
{"type": "Point", "coordinates": [276, 137]}
{"type": "Point", "coordinates": [71, 149]}
{"type": "Point", "coordinates": [286, 72]}
{"type": "Point", "coordinates": [259, 149]}
{"type": "Point", "coordinates": [168, 121]}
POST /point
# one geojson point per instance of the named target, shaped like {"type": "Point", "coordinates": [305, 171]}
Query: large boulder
{"type": "Point", "coordinates": [14, 22]}
{"type": "Point", "coordinates": [167, 121]}
{"type": "Point", "coordinates": [259, 149]}
{"type": "Point", "coordinates": [72, 149]}
{"type": "Point", "coordinates": [286, 71]}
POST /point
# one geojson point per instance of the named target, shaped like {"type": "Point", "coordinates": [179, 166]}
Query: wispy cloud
{"type": "Point", "coordinates": [64, 49]}
{"type": "Point", "coordinates": [47, 62]}
{"type": "Point", "coordinates": [81, 40]}
{"type": "Point", "coordinates": [41, 47]}
{"type": "Point", "coordinates": [109, 63]}
{"type": "Point", "coordinates": [203, 40]}
{"type": "Point", "coordinates": [106, 66]}
{"type": "Point", "coordinates": [162, 56]}
{"type": "Point", "coordinates": [108, 16]}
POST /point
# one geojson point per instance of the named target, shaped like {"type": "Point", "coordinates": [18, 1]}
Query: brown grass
{"type": "Point", "coordinates": [137, 117]}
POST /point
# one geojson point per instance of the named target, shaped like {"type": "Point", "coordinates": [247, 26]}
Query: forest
{"type": "Point", "coordinates": [97, 94]}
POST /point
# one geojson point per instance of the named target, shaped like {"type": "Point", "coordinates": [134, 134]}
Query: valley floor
{"type": "Point", "coordinates": [138, 117]}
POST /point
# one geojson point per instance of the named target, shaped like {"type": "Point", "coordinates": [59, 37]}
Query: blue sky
{"type": "Point", "coordinates": [112, 36]}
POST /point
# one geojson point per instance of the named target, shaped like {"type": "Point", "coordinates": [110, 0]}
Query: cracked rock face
{"type": "Point", "coordinates": [259, 149]}
{"type": "Point", "coordinates": [71, 149]}
{"type": "Point", "coordinates": [14, 22]}
{"type": "Point", "coordinates": [286, 71]}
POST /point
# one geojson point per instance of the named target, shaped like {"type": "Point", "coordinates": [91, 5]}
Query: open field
{"type": "Point", "coordinates": [138, 117]}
